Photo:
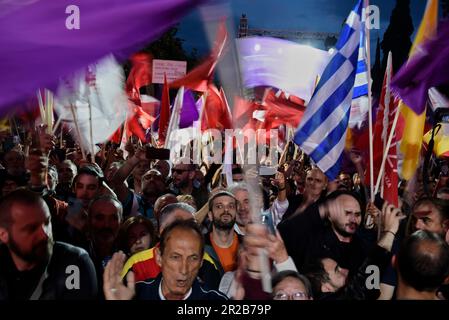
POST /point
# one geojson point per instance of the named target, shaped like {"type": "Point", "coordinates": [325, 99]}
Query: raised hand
{"type": "Point", "coordinates": [391, 217]}
{"type": "Point", "coordinates": [113, 286]}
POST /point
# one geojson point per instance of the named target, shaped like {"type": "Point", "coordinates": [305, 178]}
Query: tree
{"type": "Point", "coordinates": [397, 36]}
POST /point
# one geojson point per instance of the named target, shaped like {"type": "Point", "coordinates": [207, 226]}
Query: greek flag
{"type": "Point", "coordinates": [322, 131]}
{"type": "Point", "coordinates": [360, 103]}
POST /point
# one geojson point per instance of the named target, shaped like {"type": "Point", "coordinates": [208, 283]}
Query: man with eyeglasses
{"type": "Point", "coordinates": [222, 242]}
{"type": "Point", "coordinates": [184, 182]}
{"type": "Point", "coordinates": [290, 285]}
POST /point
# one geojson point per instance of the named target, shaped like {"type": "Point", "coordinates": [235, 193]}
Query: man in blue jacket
{"type": "Point", "coordinates": [180, 256]}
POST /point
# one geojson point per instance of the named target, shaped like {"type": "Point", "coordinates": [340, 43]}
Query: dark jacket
{"type": "Point", "coordinates": [356, 287]}
{"type": "Point", "coordinates": [209, 249]}
{"type": "Point", "coordinates": [307, 238]}
{"type": "Point", "coordinates": [149, 290]}
{"type": "Point", "coordinates": [66, 266]}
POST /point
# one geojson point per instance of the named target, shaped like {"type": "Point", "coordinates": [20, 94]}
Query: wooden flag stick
{"type": "Point", "coordinates": [77, 130]}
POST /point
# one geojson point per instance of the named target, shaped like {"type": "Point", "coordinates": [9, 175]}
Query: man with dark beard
{"type": "Point", "coordinates": [184, 182]}
{"type": "Point", "coordinates": [152, 187]}
{"type": "Point", "coordinates": [222, 242]}
{"type": "Point", "coordinates": [33, 267]}
{"type": "Point", "coordinates": [103, 224]}
{"type": "Point", "coordinates": [327, 229]}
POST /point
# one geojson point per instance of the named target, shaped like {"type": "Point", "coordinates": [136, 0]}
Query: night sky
{"type": "Point", "coordinates": [303, 15]}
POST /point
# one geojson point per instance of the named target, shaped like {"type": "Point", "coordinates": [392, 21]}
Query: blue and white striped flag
{"type": "Point", "coordinates": [322, 131]}
{"type": "Point", "coordinates": [360, 103]}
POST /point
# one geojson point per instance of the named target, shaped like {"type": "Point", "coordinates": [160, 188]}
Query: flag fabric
{"type": "Point", "coordinates": [189, 111]}
{"type": "Point", "coordinates": [322, 131]}
{"type": "Point", "coordinates": [360, 102]}
{"type": "Point", "coordinates": [415, 119]}
{"type": "Point", "coordinates": [282, 64]}
{"type": "Point", "coordinates": [423, 70]}
{"type": "Point", "coordinates": [140, 74]}
{"type": "Point", "coordinates": [384, 121]}
{"type": "Point", "coordinates": [98, 91]}
{"type": "Point", "coordinates": [38, 46]}
{"type": "Point", "coordinates": [164, 115]}
{"type": "Point", "coordinates": [199, 78]}
{"type": "Point", "coordinates": [215, 114]}
{"type": "Point", "coordinates": [282, 109]}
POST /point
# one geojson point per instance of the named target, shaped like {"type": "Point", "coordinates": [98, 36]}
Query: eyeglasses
{"type": "Point", "coordinates": [294, 296]}
{"type": "Point", "coordinates": [178, 171]}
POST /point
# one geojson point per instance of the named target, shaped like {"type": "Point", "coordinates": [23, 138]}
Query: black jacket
{"type": "Point", "coordinates": [149, 290]}
{"type": "Point", "coordinates": [307, 237]}
{"type": "Point", "coordinates": [61, 280]}
{"type": "Point", "coordinates": [356, 288]}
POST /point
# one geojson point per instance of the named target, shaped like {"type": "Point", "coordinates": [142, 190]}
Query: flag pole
{"type": "Point", "coordinates": [77, 130]}
{"type": "Point", "coordinates": [385, 155]}
{"type": "Point", "coordinates": [370, 106]}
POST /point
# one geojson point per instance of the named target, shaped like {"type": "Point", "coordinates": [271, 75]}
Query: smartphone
{"type": "Point", "coordinates": [266, 221]}
{"type": "Point", "coordinates": [157, 153]}
{"type": "Point", "coordinates": [267, 171]}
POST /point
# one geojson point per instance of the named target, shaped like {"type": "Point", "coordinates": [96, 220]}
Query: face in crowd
{"type": "Point", "coordinates": [180, 260]}
{"type": "Point", "coordinates": [66, 172]}
{"type": "Point", "coordinates": [344, 181]}
{"type": "Point", "coordinates": [335, 275]}
{"type": "Point", "coordinates": [316, 183]}
{"type": "Point", "coordinates": [243, 207]}
{"type": "Point", "coordinates": [182, 175]}
{"type": "Point", "coordinates": [86, 187]}
{"type": "Point", "coordinates": [104, 219]}
{"type": "Point", "coordinates": [426, 216]}
{"type": "Point", "coordinates": [223, 212]}
{"type": "Point", "coordinates": [163, 167]}
{"type": "Point", "coordinates": [349, 218]}
{"type": "Point", "coordinates": [153, 184]}
{"type": "Point", "coordinates": [29, 236]}
{"type": "Point", "coordinates": [14, 162]}
{"type": "Point", "coordinates": [142, 167]}
{"type": "Point", "coordinates": [290, 288]}
{"type": "Point", "coordinates": [139, 238]}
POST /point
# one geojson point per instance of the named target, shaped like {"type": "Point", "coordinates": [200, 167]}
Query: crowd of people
{"type": "Point", "coordinates": [120, 227]}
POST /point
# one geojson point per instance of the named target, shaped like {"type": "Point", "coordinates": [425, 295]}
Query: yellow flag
{"type": "Point", "coordinates": [414, 124]}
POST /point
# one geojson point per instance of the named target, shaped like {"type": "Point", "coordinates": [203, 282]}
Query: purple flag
{"type": "Point", "coordinates": [40, 42]}
{"type": "Point", "coordinates": [189, 112]}
{"type": "Point", "coordinates": [427, 68]}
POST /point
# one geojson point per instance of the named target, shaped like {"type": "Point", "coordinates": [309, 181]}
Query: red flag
{"type": "Point", "coordinates": [242, 113]}
{"type": "Point", "coordinates": [215, 114]}
{"type": "Point", "coordinates": [282, 109]}
{"type": "Point", "coordinates": [140, 74]}
{"type": "Point", "coordinates": [384, 121]}
{"type": "Point", "coordinates": [199, 78]}
{"type": "Point", "coordinates": [164, 116]}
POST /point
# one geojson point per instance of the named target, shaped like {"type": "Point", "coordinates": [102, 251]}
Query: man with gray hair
{"type": "Point", "coordinates": [143, 264]}
{"type": "Point", "coordinates": [273, 215]}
